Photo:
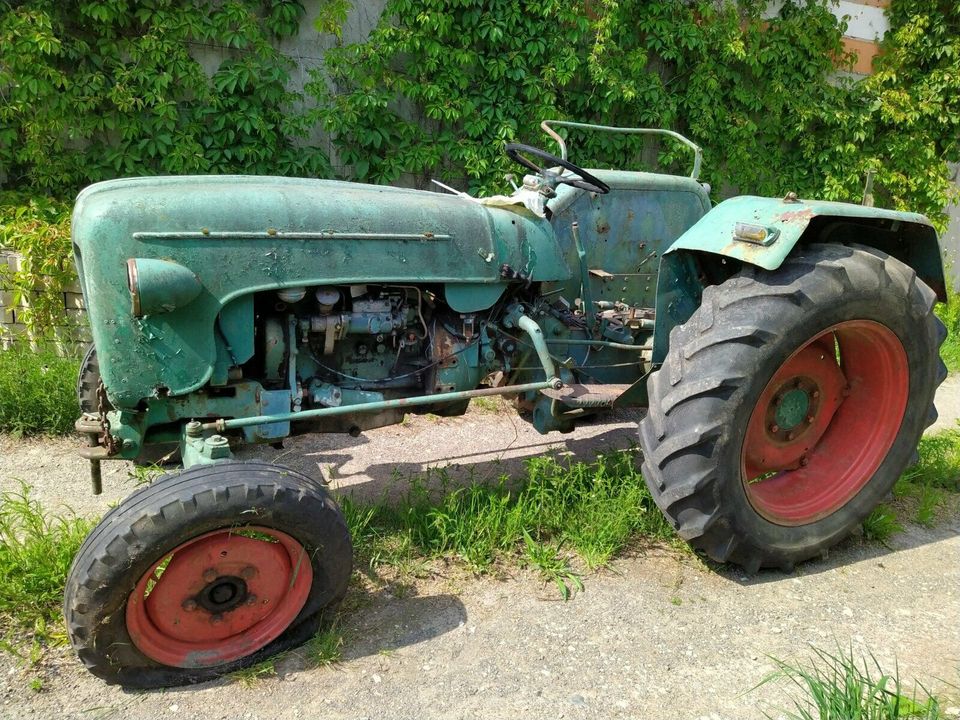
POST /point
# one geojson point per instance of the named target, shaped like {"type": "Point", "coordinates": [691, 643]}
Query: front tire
{"type": "Point", "coordinates": [204, 572]}
{"type": "Point", "coordinates": [791, 402]}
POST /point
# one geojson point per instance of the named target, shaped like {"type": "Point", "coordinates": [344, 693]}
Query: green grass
{"type": "Point", "coordinates": [491, 405]}
{"type": "Point", "coordinates": [949, 314]}
{"type": "Point", "coordinates": [145, 474]}
{"type": "Point", "coordinates": [592, 509]}
{"type": "Point", "coordinates": [552, 566]}
{"type": "Point", "coordinates": [558, 518]}
{"type": "Point", "coordinates": [38, 392]}
{"type": "Point", "coordinates": [842, 687]}
{"type": "Point", "coordinates": [925, 488]}
{"type": "Point", "coordinates": [322, 650]}
{"type": "Point", "coordinates": [881, 524]}
{"type": "Point", "coordinates": [35, 554]}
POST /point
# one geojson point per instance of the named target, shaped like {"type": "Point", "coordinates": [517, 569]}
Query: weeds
{"type": "Point", "coordinates": [38, 392]}
{"type": "Point", "coordinates": [923, 488]}
{"type": "Point", "coordinates": [546, 558]}
{"type": "Point", "coordinates": [492, 405]}
{"type": "Point", "coordinates": [249, 676]}
{"type": "Point", "coordinates": [324, 648]}
{"type": "Point", "coordinates": [35, 554]}
{"type": "Point", "coordinates": [592, 508]}
{"type": "Point", "coordinates": [939, 462]}
{"type": "Point", "coordinates": [881, 524]}
{"type": "Point", "coordinates": [321, 650]}
{"type": "Point", "coordinates": [841, 687]}
{"type": "Point", "coordinates": [145, 474]}
{"type": "Point", "coordinates": [949, 314]}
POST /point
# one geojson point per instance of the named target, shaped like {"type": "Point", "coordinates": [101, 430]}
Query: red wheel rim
{"type": "Point", "coordinates": [822, 425]}
{"type": "Point", "coordinates": [219, 597]}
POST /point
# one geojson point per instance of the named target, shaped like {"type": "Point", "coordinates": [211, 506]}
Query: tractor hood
{"type": "Point", "coordinates": [199, 242]}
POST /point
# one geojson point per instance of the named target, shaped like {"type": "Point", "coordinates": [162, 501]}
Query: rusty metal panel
{"type": "Point", "coordinates": [786, 219]}
{"type": "Point", "coordinates": [240, 235]}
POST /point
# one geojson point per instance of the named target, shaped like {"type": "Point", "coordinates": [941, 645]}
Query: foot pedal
{"type": "Point", "coordinates": [587, 396]}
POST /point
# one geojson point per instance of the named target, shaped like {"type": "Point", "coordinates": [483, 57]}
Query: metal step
{"type": "Point", "coordinates": [587, 396]}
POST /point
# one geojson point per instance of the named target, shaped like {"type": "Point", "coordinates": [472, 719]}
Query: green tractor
{"type": "Point", "coordinates": [786, 351]}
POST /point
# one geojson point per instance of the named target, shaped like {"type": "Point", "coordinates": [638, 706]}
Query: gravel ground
{"type": "Point", "coordinates": [657, 635]}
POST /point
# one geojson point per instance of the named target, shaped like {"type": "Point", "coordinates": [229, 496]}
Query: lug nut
{"type": "Point", "coordinates": [774, 428]}
{"type": "Point", "coordinates": [210, 575]}
{"type": "Point", "coordinates": [189, 605]}
{"type": "Point", "coordinates": [248, 572]}
{"type": "Point", "coordinates": [216, 619]}
{"type": "Point", "coordinates": [251, 599]}
{"type": "Point", "coordinates": [804, 461]}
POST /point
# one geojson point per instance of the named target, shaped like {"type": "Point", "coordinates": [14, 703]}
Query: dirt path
{"type": "Point", "coordinates": [657, 635]}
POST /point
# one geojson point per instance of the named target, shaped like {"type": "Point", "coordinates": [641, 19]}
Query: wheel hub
{"type": "Point", "coordinates": [219, 597]}
{"type": "Point", "coordinates": [824, 422]}
{"type": "Point", "coordinates": [797, 406]}
{"type": "Point", "coordinates": [223, 594]}
{"type": "Point", "coordinates": [793, 407]}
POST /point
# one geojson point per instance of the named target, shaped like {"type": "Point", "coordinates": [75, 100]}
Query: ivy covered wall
{"type": "Point", "coordinates": [93, 89]}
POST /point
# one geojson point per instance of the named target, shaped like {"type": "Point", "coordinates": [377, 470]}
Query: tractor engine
{"type": "Point", "coordinates": [332, 346]}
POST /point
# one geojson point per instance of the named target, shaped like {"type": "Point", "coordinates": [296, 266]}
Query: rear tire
{"type": "Point", "coordinates": [790, 403]}
{"type": "Point", "coordinates": [204, 572]}
{"type": "Point", "coordinates": [87, 381]}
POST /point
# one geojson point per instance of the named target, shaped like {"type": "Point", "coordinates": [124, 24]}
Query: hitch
{"type": "Point", "coordinates": [94, 452]}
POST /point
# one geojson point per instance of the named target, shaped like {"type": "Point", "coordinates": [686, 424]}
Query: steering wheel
{"type": "Point", "coordinates": [585, 181]}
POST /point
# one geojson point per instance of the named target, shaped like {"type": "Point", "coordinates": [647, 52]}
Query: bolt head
{"type": "Point", "coordinates": [774, 428]}
{"type": "Point", "coordinates": [189, 605]}
{"type": "Point", "coordinates": [210, 575]}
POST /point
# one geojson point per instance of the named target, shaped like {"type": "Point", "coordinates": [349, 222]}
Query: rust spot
{"type": "Point", "coordinates": [444, 347]}
{"type": "Point", "coordinates": [799, 217]}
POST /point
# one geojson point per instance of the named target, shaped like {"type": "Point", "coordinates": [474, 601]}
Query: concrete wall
{"type": "Point", "coordinates": [307, 50]}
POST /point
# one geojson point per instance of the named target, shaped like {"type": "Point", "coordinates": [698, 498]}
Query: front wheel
{"type": "Point", "coordinates": [204, 572]}
{"type": "Point", "coordinates": [791, 402]}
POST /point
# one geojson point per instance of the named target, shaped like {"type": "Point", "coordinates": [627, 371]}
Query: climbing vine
{"type": "Point", "coordinates": [94, 89]}
{"type": "Point", "coordinates": [38, 230]}
{"type": "Point", "coordinates": [441, 85]}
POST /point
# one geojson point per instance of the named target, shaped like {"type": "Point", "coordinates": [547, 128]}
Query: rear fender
{"type": "Point", "coordinates": [715, 247]}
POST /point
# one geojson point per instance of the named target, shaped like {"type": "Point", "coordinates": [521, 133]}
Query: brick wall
{"type": "Point", "coordinates": [70, 337]}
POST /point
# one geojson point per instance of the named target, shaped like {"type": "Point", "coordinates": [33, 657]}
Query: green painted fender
{"type": "Point", "coordinates": [909, 236]}
{"type": "Point", "coordinates": [777, 227]}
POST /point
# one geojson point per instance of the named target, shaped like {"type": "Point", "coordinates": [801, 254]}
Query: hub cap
{"type": "Point", "coordinates": [219, 597]}
{"type": "Point", "coordinates": [824, 422]}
